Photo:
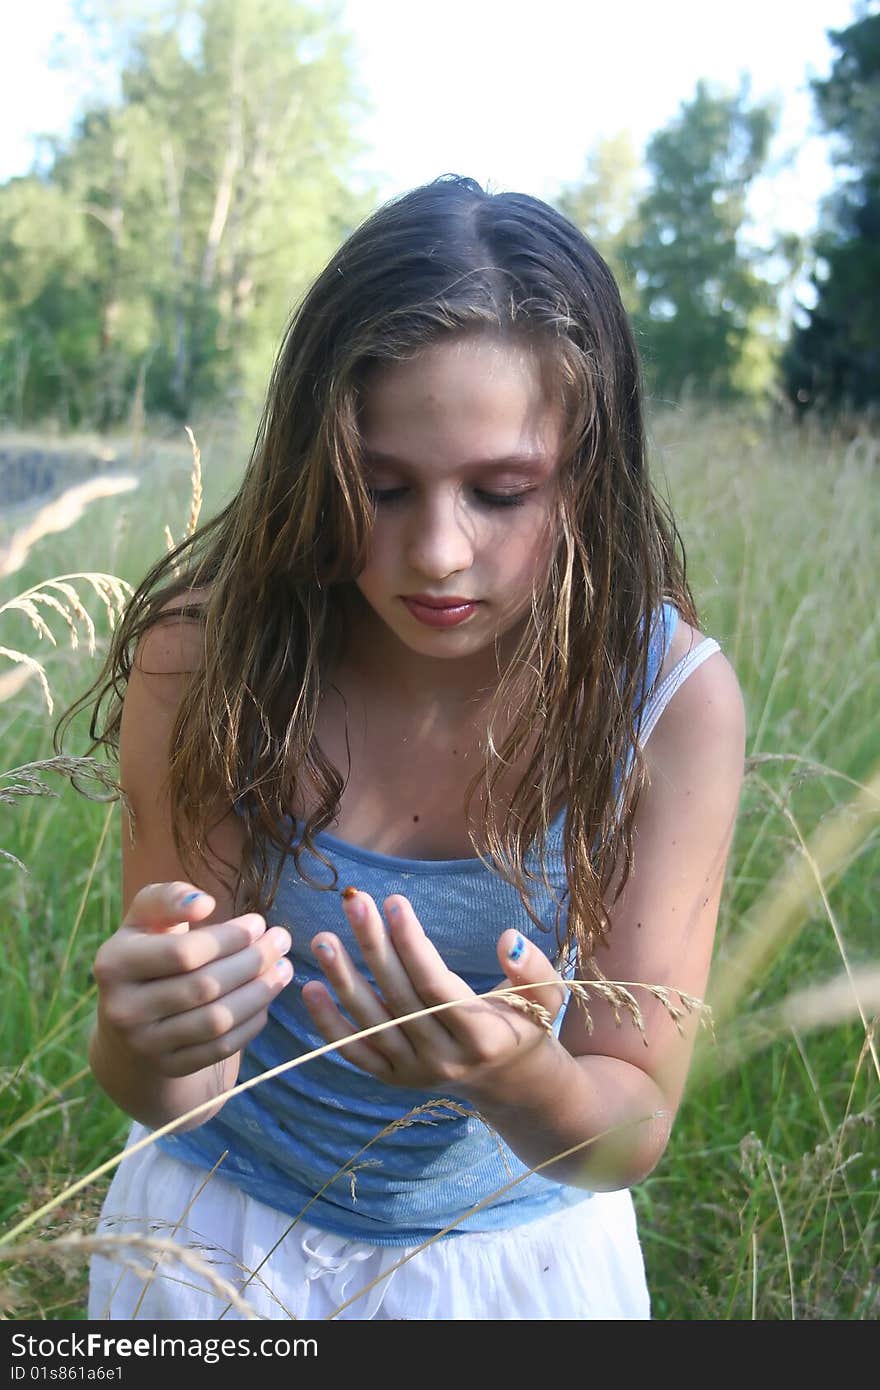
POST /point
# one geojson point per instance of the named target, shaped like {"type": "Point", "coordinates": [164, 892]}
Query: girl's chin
{"type": "Point", "coordinates": [467, 639]}
{"type": "Point", "coordinates": [479, 632]}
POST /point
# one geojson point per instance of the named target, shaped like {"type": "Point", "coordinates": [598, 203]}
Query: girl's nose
{"type": "Point", "coordinates": [440, 540]}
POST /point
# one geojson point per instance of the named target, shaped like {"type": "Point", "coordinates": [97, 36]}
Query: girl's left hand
{"type": "Point", "coordinates": [458, 1050]}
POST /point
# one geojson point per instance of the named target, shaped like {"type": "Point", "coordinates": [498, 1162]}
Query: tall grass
{"type": "Point", "coordinates": [765, 1204]}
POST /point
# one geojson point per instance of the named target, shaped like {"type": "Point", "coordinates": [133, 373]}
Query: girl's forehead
{"type": "Point", "coordinates": [473, 393]}
{"type": "Point", "coordinates": [460, 354]}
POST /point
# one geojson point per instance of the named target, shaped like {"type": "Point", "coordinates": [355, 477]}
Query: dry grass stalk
{"type": "Point", "coordinates": [619, 998]}
{"type": "Point", "coordinates": [788, 900]}
{"type": "Point", "coordinates": [808, 768]}
{"type": "Point", "coordinates": [353, 1171]}
{"type": "Point", "coordinates": [26, 780]}
{"type": "Point", "coordinates": [426, 1114]}
{"type": "Point", "coordinates": [59, 515]}
{"type": "Point", "coordinates": [178, 1227]}
{"type": "Point", "coordinates": [34, 667]}
{"type": "Point", "coordinates": [76, 1245]}
{"type": "Point", "coordinates": [196, 499]}
{"type": "Point", "coordinates": [174, 1230]}
{"type": "Point", "coordinates": [533, 1010]}
{"type": "Point", "coordinates": [825, 1161]}
{"type": "Point", "coordinates": [833, 1001]}
{"type": "Point", "coordinates": [50, 1103]}
{"type": "Point", "coordinates": [602, 987]}
{"type": "Point", "coordinates": [112, 592]}
{"type": "Point", "coordinates": [478, 1206]}
{"type": "Point", "coordinates": [11, 682]}
{"type": "Point", "coordinates": [852, 994]}
{"type": "Point", "coordinates": [786, 904]}
{"type": "Point", "coordinates": [195, 505]}
{"type": "Point", "coordinates": [690, 1005]}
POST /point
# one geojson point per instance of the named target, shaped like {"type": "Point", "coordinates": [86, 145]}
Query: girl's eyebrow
{"type": "Point", "coordinates": [526, 462]}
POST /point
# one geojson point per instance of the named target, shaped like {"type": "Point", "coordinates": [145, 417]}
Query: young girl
{"type": "Point", "coordinates": [425, 713]}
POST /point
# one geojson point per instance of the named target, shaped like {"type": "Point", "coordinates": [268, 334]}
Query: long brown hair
{"type": "Point", "coordinates": [278, 561]}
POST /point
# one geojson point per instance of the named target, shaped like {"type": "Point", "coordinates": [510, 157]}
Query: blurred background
{"type": "Point", "coordinates": [174, 172]}
{"type": "Point", "coordinates": [172, 177]}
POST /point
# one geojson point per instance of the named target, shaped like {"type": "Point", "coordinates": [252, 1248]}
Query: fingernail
{"type": "Point", "coordinates": [349, 893]}
{"type": "Point", "coordinates": [357, 908]}
{"type": "Point", "coordinates": [190, 898]}
{"type": "Point", "coordinates": [326, 948]}
{"type": "Point", "coordinates": [517, 949]}
{"type": "Point", "coordinates": [284, 969]}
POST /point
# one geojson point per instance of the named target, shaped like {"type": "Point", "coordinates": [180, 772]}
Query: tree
{"type": "Point", "coordinates": [603, 204]}
{"type": "Point", "coordinates": [200, 202]}
{"type": "Point", "coordinates": [701, 296]}
{"type": "Point", "coordinates": [833, 359]}
{"type": "Point", "coordinates": [48, 303]}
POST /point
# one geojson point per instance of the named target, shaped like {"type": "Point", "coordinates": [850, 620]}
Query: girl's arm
{"type": "Point", "coordinates": [181, 987]}
{"type": "Point", "coordinates": [613, 1081]}
{"type": "Point", "coordinates": [606, 1099]}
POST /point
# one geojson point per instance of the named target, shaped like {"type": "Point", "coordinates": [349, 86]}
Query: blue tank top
{"type": "Point", "coordinates": [306, 1141]}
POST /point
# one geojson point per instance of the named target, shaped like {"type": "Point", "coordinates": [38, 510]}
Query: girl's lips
{"type": "Point", "coordinates": [446, 613]}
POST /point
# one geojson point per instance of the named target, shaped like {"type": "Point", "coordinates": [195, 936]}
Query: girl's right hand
{"type": "Point", "coordinates": [182, 996]}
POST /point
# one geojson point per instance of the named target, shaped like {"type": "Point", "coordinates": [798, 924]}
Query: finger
{"type": "Point", "coordinates": [151, 956]}
{"type": "Point", "coordinates": [213, 1024]}
{"type": "Point", "coordinates": [334, 1027]}
{"type": "Point", "coordinates": [192, 1059]}
{"type": "Point", "coordinates": [525, 964]}
{"type": "Point", "coordinates": [392, 976]}
{"type": "Point", "coordinates": [178, 994]}
{"type": "Point", "coordinates": [168, 907]}
{"type": "Point", "coordinates": [358, 999]}
{"type": "Point", "coordinates": [435, 983]}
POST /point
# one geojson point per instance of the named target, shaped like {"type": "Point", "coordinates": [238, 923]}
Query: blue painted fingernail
{"type": "Point", "coordinates": [190, 898]}
{"type": "Point", "coordinates": [325, 947]}
{"type": "Point", "coordinates": [394, 910]}
{"type": "Point", "coordinates": [517, 949]}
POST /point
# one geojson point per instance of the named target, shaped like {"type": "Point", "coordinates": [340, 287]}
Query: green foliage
{"type": "Point", "coordinates": [174, 231]}
{"type": "Point", "coordinates": [834, 356]}
{"type": "Point", "coordinates": [700, 294]}
{"type": "Point", "coordinates": [766, 1202]}
{"type": "Point", "coordinates": [603, 203]}
{"type": "Point", "coordinates": [48, 302]}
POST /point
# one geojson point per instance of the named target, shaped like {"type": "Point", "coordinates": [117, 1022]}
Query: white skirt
{"type": "Point", "coordinates": [239, 1258]}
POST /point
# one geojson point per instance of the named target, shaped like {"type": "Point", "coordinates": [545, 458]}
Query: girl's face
{"type": "Point", "coordinates": [461, 455]}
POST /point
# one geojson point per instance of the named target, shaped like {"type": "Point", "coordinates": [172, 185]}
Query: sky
{"type": "Point", "coordinates": [516, 95]}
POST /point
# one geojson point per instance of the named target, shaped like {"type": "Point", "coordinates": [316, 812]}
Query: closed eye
{"type": "Point", "coordinates": [384, 495]}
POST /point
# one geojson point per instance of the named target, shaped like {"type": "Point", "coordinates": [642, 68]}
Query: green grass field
{"type": "Point", "coordinates": [766, 1202]}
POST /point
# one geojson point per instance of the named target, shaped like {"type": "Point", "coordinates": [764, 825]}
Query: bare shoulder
{"type": "Point", "coordinates": [172, 646]}
{"type": "Point", "coordinates": [704, 724]}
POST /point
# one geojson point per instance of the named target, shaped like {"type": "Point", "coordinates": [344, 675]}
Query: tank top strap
{"type": "Point", "coordinates": [657, 702]}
